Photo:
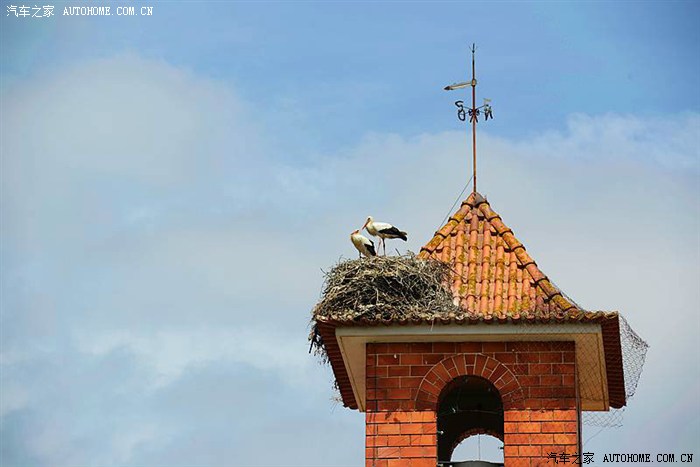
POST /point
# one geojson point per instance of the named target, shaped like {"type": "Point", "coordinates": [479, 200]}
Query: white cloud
{"type": "Point", "coordinates": [155, 234]}
{"type": "Point", "coordinates": [669, 142]}
{"type": "Point", "coordinates": [169, 353]}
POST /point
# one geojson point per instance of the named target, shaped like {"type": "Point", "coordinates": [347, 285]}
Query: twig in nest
{"type": "Point", "coordinates": [384, 288]}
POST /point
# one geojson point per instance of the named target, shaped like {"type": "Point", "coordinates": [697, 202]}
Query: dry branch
{"type": "Point", "coordinates": [384, 288]}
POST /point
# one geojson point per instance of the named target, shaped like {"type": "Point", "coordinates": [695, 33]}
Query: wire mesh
{"type": "Point", "coordinates": [592, 363]}
{"type": "Point", "coordinates": [634, 350]}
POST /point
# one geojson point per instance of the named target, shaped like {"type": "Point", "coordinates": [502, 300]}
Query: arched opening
{"type": "Point", "coordinates": [484, 447]}
{"type": "Point", "coordinates": [468, 405]}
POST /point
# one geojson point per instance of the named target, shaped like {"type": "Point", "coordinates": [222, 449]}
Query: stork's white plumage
{"type": "Point", "coordinates": [363, 244]}
{"type": "Point", "coordinates": [383, 231]}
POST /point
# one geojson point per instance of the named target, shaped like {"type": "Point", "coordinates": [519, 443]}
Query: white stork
{"type": "Point", "coordinates": [363, 244]}
{"type": "Point", "coordinates": [384, 231]}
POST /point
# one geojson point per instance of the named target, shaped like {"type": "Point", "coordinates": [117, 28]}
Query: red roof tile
{"type": "Point", "coordinates": [495, 281]}
{"type": "Point", "coordinates": [493, 275]}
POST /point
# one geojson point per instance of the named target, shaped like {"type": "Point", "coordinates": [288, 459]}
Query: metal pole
{"type": "Point", "coordinates": [474, 117]}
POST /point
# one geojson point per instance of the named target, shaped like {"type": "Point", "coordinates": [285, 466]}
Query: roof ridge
{"type": "Point", "coordinates": [476, 202]}
{"type": "Point", "coordinates": [540, 278]}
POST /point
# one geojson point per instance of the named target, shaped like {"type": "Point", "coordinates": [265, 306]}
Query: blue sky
{"type": "Point", "coordinates": [172, 186]}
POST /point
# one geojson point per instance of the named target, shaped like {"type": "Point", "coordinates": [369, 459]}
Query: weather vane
{"type": "Point", "coordinates": [472, 112]}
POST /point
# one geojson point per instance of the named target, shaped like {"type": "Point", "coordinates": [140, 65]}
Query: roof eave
{"type": "Point", "coordinates": [610, 329]}
{"type": "Point", "coordinates": [613, 361]}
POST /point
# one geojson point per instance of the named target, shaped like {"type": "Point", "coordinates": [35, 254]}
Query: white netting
{"type": "Point", "coordinates": [634, 351]}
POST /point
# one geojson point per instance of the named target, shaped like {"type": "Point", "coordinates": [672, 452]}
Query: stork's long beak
{"type": "Point", "coordinates": [365, 224]}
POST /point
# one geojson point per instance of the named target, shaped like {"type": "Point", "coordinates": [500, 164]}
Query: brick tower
{"type": "Point", "coordinates": [520, 361]}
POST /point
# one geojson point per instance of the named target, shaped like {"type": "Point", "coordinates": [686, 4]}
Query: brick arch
{"type": "Point", "coordinates": [468, 364]}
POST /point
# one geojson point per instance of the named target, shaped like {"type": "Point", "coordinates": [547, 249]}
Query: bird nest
{"type": "Point", "coordinates": [383, 289]}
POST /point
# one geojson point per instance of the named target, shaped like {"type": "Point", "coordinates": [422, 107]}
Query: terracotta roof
{"type": "Point", "coordinates": [493, 275]}
{"type": "Point", "coordinates": [494, 280]}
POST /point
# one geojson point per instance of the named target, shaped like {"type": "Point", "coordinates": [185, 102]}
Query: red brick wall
{"type": "Point", "coordinates": [536, 381]}
{"type": "Point", "coordinates": [531, 434]}
{"type": "Point", "coordinates": [401, 439]}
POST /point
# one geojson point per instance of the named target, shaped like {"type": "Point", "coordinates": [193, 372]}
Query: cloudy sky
{"type": "Point", "coordinates": [173, 185]}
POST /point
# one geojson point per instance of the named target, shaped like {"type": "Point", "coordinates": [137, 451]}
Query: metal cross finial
{"type": "Point", "coordinates": [474, 111]}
